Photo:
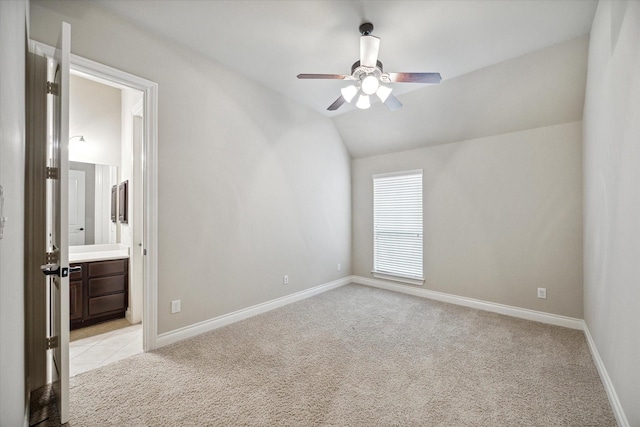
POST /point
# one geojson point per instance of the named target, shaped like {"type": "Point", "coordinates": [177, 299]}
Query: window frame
{"type": "Point", "coordinates": [397, 275]}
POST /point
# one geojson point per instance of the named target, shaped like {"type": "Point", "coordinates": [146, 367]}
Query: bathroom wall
{"type": "Point", "coordinates": [94, 112]}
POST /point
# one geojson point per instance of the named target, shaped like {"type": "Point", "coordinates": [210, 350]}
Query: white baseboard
{"type": "Point", "coordinates": [226, 319]}
{"type": "Point", "coordinates": [523, 313]}
{"type": "Point", "coordinates": [616, 406]}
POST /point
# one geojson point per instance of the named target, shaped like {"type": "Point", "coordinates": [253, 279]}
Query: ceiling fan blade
{"type": "Point", "coordinates": [393, 103]}
{"type": "Point", "coordinates": [369, 48]}
{"type": "Point", "coordinates": [323, 76]}
{"type": "Point", "coordinates": [337, 103]}
{"type": "Point", "coordinates": [433, 78]}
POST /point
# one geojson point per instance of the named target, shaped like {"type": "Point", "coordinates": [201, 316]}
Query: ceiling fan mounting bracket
{"type": "Point", "coordinates": [366, 29]}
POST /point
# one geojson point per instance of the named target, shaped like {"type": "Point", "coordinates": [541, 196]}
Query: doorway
{"type": "Point", "coordinates": [105, 158]}
{"type": "Point", "coordinates": [148, 118]}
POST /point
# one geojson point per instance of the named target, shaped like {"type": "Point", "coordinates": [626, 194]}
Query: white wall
{"type": "Point", "coordinates": [252, 186]}
{"type": "Point", "coordinates": [502, 216]}
{"type": "Point", "coordinates": [94, 112]}
{"type": "Point", "coordinates": [13, 18]}
{"type": "Point", "coordinates": [612, 197]}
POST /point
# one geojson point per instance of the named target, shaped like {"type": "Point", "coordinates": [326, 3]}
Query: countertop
{"type": "Point", "coordinates": [89, 253]}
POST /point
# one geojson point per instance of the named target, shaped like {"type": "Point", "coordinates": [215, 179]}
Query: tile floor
{"type": "Point", "coordinates": [98, 350]}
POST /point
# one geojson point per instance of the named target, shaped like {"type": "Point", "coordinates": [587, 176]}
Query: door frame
{"type": "Point", "coordinates": [150, 179]}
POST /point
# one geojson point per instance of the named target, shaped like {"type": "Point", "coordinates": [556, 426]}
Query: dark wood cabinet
{"type": "Point", "coordinates": [75, 300]}
{"type": "Point", "coordinates": [98, 292]}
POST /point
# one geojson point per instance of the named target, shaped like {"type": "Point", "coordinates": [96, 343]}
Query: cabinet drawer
{"type": "Point", "coordinates": [105, 304]}
{"type": "Point", "coordinates": [106, 285]}
{"type": "Point", "coordinates": [107, 267]}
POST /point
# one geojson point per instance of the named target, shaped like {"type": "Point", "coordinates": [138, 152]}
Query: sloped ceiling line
{"type": "Point", "coordinates": [272, 41]}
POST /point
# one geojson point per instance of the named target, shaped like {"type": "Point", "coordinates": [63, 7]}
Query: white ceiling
{"type": "Point", "coordinates": [273, 41]}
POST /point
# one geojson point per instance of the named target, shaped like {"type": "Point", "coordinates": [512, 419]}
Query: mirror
{"type": "Point", "coordinates": [90, 204]}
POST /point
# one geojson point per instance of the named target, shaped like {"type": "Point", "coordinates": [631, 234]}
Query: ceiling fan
{"type": "Point", "coordinates": [368, 78]}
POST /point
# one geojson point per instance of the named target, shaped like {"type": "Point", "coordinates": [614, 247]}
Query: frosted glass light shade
{"type": "Point", "coordinates": [363, 102]}
{"type": "Point", "coordinates": [349, 92]}
{"type": "Point", "coordinates": [383, 92]}
{"type": "Point", "coordinates": [370, 85]}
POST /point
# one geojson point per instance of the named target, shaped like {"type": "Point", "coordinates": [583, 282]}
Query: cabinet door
{"type": "Point", "coordinates": [75, 300]}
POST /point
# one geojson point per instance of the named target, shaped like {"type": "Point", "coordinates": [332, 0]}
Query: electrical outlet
{"type": "Point", "coordinates": [339, 267]}
{"type": "Point", "coordinates": [285, 279]}
{"type": "Point", "coordinates": [175, 306]}
{"type": "Point", "coordinates": [542, 293]}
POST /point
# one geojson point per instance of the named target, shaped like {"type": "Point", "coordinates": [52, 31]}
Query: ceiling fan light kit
{"type": "Point", "coordinates": [369, 84]}
{"type": "Point", "coordinates": [349, 92]}
{"type": "Point", "coordinates": [363, 102]}
{"type": "Point", "coordinates": [368, 78]}
{"type": "Point", "coordinates": [383, 92]}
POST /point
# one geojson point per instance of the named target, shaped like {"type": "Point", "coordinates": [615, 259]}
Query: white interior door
{"type": "Point", "coordinates": [102, 208]}
{"type": "Point", "coordinates": [77, 195]}
{"type": "Point", "coordinates": [57, 212]}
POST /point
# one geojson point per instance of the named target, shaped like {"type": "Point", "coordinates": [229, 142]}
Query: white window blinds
{"type": "Point", "coordinates": [397, 224]}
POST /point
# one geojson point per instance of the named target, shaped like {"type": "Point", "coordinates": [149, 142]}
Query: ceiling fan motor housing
{"type": "Point", "coordinates": [359, 72]}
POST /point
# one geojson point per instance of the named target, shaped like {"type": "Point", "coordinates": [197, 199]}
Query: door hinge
{"type": "Point", "coordinates": [52, 258]}
{"type": "Point", "coordinates": [53, 88]}
{"type": "Point", "coordinates": [52, 173]}
{"type": "Point", "coordinates": [52, 342]}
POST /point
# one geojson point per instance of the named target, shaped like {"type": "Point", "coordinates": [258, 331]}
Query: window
{"type": "Point", "coordinates": [397, 226]}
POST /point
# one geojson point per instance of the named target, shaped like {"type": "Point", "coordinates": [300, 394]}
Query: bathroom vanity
{"type": "Point", "coordinates": [99, 291]}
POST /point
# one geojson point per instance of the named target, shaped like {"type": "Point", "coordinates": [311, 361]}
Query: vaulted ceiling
{"type": "Point", "coordinates": [506, 65]}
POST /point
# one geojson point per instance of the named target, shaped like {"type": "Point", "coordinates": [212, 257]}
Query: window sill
{"type": "Point", "coordinates": [419, 281]}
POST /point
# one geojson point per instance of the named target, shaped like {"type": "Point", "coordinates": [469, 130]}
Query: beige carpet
{"type": "Point", "coordinates": [355, 356]}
